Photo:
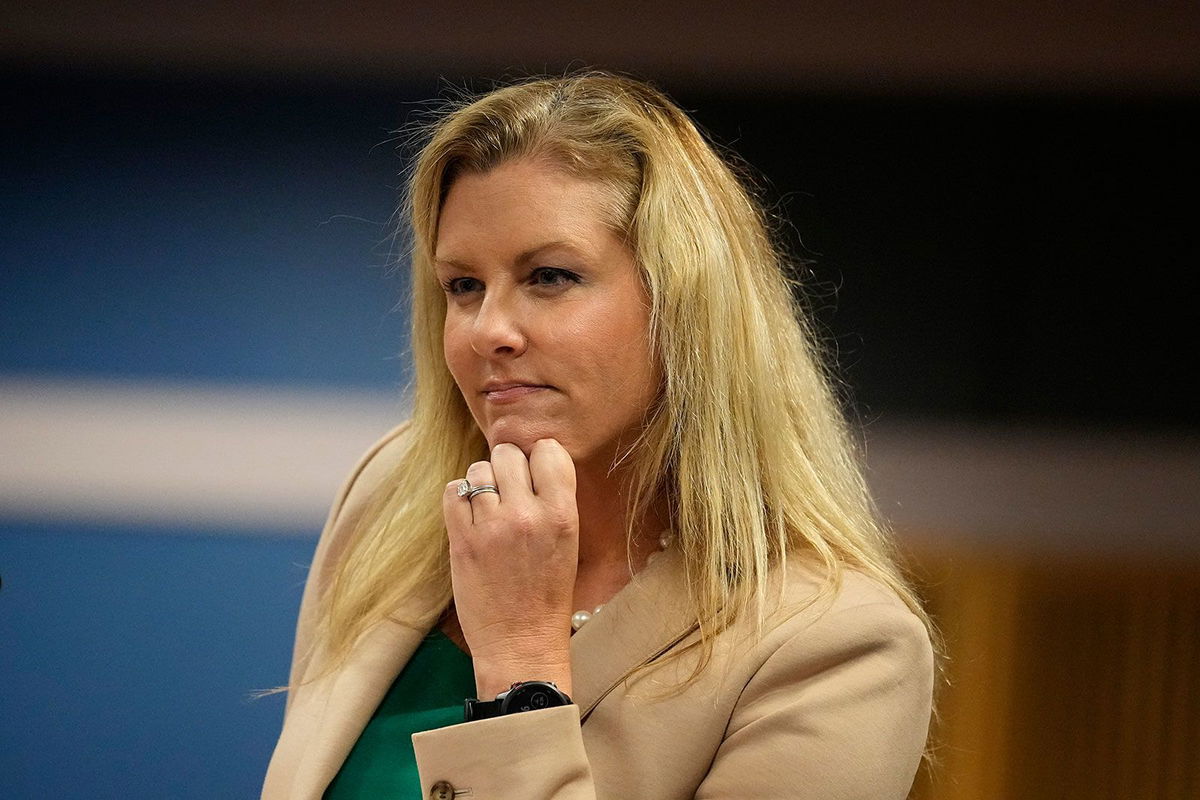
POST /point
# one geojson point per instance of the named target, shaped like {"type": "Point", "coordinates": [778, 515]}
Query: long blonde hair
{"type": "Point", "coordinates": [747, 445]}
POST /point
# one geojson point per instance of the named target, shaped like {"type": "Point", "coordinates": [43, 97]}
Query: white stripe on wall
{"type": "Point", "coordinates": [270, 459]}
{"type": "Point", "coordinates": [219, 457]}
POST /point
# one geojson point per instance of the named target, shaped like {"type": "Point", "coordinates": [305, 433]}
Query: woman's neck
{"type": "Point", "coordinates": [602, 498]}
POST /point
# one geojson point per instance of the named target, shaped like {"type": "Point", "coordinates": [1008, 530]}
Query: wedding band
{"type": "Point", "coordinates": [487, 487]}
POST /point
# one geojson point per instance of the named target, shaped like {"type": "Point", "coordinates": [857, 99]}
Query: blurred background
{"type": "Point", "coordinates": [202, 326]}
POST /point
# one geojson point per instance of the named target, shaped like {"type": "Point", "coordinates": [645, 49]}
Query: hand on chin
{"type": "Point", "coordinates": [522, 434]}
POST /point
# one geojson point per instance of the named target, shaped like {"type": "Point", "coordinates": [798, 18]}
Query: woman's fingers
{"type": "Point", "coordinates": [552, 473]}
{"type": "Point", "coordinates": [512, 473]}
{"type": "Point", "coordinates": [481, 473]}
{"type": "Point", "coordinates": [546, 481]}
{"type": "Point", "coordinates": [456, 510]}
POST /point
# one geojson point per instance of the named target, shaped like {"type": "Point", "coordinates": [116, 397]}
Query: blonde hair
{"type": "Point", "coordinates": [747, 443]}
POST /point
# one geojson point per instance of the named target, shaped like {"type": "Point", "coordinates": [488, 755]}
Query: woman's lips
{"type": "Point", "coordinates": [509, 394]}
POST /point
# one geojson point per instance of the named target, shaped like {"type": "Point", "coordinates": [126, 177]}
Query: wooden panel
{"type": "Point", "coordinates": [1067, 677]}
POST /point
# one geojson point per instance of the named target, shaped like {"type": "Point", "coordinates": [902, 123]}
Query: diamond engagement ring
{"type": "Point", "coordinates": [465, 489]}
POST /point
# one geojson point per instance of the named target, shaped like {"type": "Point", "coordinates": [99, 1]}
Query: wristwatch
{"type": "Point", "coordinates": [522, 696]}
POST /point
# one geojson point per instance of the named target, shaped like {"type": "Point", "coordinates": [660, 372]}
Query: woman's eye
{"type": "Point", "coordinates": [460, 285]}
{"type": "Point", "coordinates": [552, 276]}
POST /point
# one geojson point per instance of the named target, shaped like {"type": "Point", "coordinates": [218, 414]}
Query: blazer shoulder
{"type": "Point", "coordinates": [371, 469]}
{"type": "Point", "coordinates": [861, 612]}
{"type": "Point", "coordinates": [803, 581]}
{"type": "Point", "coordinates": [364, 479]}
{"type": "Point", "coordinates": [837, 698]}
{"type": "Point", "coordinates": [843, 683]}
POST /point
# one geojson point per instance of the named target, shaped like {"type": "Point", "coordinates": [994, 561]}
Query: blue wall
{"type": "Point", "coordinates": [218, 234]}
{"type": "Point", "coordinates": [232, 236]}
{"type": "Point", "coordinates": [129, 657]}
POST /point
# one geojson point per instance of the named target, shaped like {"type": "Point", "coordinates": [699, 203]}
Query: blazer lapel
{"type": "Point", "coordinates": [356, 691]}
{"type": "Point", "coordinates": [648, 617]}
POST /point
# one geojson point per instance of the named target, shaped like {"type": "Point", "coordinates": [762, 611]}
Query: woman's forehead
{"type": "Point", "coordinates": [524, 205]}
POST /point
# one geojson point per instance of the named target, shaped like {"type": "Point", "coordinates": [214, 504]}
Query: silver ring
{"type": "Point", "coordinates": [487, 487]}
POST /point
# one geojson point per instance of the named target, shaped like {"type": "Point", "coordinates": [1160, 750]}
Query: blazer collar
{"type": "Point", "coordinates": [644, 619]}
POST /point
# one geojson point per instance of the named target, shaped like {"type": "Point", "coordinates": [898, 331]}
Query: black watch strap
{"type": "Point", "coordinates": [480, 709]}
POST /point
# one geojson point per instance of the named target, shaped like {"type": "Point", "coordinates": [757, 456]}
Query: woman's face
{"type": "Point", "coordinates": [546, 318]}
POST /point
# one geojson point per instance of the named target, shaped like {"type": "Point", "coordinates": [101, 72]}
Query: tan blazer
{"type": "Point", "coordinates": [833, 702]}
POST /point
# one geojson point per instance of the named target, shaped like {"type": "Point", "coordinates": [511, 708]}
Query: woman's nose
{"type": "Point", "coordinates": [498, 328]}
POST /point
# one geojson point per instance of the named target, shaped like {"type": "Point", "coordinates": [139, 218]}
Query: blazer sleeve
{"type": "Point", "coordinates": [536, 755]}
{"type": "Point", "coordinates": [839, 710]}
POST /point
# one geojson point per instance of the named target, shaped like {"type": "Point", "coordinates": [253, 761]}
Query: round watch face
{"type": "Point", "coordinates": [531, 697]}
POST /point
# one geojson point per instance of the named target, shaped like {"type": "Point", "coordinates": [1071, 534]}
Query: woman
{"type": "Point", "coordinates": [606, 347]}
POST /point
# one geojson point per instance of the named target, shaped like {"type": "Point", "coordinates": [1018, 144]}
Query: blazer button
{"type": "Point", "coordinates": [442, 790]}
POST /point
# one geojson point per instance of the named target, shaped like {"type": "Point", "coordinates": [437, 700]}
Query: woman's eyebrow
{"type": "Point", "coordinates": [453, 263]}
{"type": "Point", "coordinates": [533, 252]}
{"type": "Point", "coordinates": [525, 257]}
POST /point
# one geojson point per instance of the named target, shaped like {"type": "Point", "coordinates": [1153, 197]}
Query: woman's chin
{"type": "Point", "coordinates": [523, 436]}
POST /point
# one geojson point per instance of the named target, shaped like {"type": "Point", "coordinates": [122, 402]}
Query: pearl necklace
{"type": "Point", "coordinates": [582, 617]}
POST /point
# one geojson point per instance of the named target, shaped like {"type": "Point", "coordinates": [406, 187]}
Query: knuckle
{"type": "Point", "coordinates": [560, 518]}
{"type": "Point", "coordinates": [524, 518]}
{"type": "Point", "coordinates": [492, 531]}
{"type": "Point", "coordinates": [461, 548]}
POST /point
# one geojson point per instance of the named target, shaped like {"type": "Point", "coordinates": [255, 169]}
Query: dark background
{"type": "Point", "coordinates": [989, 255]}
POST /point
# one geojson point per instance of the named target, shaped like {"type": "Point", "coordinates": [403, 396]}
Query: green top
{"type": "Point", "coordinates": [428, 693]}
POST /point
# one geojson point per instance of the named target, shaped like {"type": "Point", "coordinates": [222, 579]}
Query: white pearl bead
{"type": "Point", "coordinates": [581, 618]}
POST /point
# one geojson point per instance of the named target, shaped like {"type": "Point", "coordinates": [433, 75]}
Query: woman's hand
{"type": "Point", "coordinates": [513, 558]}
